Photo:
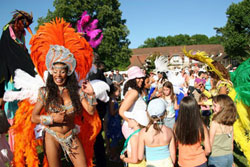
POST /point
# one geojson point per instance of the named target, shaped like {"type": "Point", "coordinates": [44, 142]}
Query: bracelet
{"type": "Point", "coordinates": [91, 99]}
{"type": "Point", "coordinates": [46, 120]}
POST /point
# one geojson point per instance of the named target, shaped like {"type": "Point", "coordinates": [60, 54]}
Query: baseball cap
{"type": "Point", "coordinates": [135, 72]}
{"type": "Point", "coordinates": [140, 116]}
{"type": "Point", "coordinates": [156, 107]}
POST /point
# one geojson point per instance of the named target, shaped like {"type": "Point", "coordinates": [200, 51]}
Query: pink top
{"type": "Point", "coordinates": [191, 155]}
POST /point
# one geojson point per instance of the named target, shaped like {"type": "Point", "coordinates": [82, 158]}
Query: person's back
{"type": "Point", "coordinates": [157, 138]}
{"type": "Point", "coordinates": [190, 132]}
{"type": "Point", "coordinates": [157, 144]}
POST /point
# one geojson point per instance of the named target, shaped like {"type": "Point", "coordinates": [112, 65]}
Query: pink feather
{"type": "Point", "coordinates": [88, 27]}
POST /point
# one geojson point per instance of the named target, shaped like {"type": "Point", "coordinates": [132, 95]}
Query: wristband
{"type": "Point", "coordinates": [91, 99]}
{"type": "Point", "coordinates": [46, 120]}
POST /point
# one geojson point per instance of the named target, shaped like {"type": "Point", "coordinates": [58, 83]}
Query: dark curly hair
{"type": "Point", "coordinates": [53, 92]}
{"type": "Point", "coordinates": [131, 84]}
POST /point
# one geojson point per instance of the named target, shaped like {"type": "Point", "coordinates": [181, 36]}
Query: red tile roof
{"type": "Point", "coordinates": [139, 55]}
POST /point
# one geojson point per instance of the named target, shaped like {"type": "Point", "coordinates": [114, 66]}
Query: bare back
{"type": "Point", "coordinates": [154, 139]}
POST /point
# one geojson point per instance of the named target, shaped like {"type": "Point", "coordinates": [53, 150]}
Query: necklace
{"type": "Point", "coordinates": [61, 89]}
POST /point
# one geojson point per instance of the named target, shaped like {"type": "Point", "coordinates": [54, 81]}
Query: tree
{"type": "Point", "coordinates": [236, 32]}
{"type": "Point", "coordinates": [199, 39]}
{"type": "Point", "coordinates": [181, 39]}
{"type": "Point", "coordinates": [113, 50]}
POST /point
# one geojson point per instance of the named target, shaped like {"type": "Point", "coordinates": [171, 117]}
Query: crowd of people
{"type": "Point", "coordinates": [164, 118]}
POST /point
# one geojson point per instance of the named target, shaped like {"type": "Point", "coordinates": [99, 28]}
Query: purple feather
{"type": "Point", "coordinates": [88, 27]}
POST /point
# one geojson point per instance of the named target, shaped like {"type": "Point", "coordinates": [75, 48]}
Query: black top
{"type": "Point", "coordinates": [13, 56]}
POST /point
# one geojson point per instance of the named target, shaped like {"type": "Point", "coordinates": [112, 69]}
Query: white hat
{"type": "Point", "coordinates": [156, 107]}
{"type": "Point", "coordinates": [140, 116]}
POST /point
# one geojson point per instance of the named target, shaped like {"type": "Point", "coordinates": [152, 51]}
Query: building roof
{"type": "Point", "coordinates": [139, 55]}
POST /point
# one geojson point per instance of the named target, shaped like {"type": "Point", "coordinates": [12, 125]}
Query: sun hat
{"type": "Point", "coordinates": [139, 116]}
{"type": "Point", "coordinates": [135, 72]}
{"type": "Point", "coordinates": [156, 107]}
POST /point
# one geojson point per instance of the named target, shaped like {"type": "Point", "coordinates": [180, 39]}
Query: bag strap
{"type": "Point", "coordinates": [126, 142]}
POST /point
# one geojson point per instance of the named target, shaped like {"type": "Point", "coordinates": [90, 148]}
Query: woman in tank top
{"type": "Point", "coordinates": [133, 99]}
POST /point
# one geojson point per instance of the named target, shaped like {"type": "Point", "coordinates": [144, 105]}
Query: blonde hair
{"type": "Point", "coordinates": [227, 115]}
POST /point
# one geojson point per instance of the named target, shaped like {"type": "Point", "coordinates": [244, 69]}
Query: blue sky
{"type": "Point", "coordinates": [145, 18]}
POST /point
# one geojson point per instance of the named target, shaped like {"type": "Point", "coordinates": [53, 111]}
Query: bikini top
{"type": "Point", "coordinates": [55, 107]}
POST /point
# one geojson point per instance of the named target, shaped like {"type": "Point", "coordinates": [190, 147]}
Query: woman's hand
{"type": "Point", "coordinates": [122, 157]}
{"type": "Point", "coordinates": [87, 88]}
{"type": "Point", "coordinates": [59, 117]}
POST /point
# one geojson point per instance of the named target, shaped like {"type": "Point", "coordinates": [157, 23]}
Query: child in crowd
{"type": "Point", "coordinates": [190, 133]}
{"type": "Point", "coordinates": [157, 138]}
{"type": "Point", "coordinates": [205, 109]}
{"type": "Point", "coordinates": [221, 132]}
{"type": "Point", "coordinates": [171, 104]}
{"type": "Point", "coordinates": [114, 132]}
{"type": "Point", "coordinates": [137, 120]}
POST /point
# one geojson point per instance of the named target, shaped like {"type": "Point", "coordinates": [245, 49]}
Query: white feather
{"type": "Point", "coordinates": [161, 63]}
{"type": "Point", "coordinates": [100, 89]}
{"type": "Point", "coordinates": [29, 87]}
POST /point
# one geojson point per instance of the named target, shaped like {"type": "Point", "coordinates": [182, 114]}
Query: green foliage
{"type": "Point", "coordinates": [181, 39]}
{"type": "Point", "coordinates": [113, 50]}
{"type": "Point", "coordinates": [236, 32]}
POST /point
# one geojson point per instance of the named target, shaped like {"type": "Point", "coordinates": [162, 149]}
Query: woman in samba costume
{"type": "Point", "coordinates": [237, 86]}
{"type": "Point", "coordinates": [61, 103]}
{"type": "Point", "coordinates": [62, 100]}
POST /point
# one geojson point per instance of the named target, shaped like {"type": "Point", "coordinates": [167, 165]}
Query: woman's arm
{"type": "Point", "coordinates": [35, 118]}
{"type": "Point", "coordinates": [90, 108]}
{"type": "Point", "coordinates": [45, 119]}
{"type": "Point", "coordinates": [130, 98]}
{"type": "Point", "coordinates": [141, 144]}
{"type": "Point", "coordinates": [172, 149]}
{"type": "Point", "coordinates": [88, 99]}
{"type": "Point", "coordinates": [207, 144]}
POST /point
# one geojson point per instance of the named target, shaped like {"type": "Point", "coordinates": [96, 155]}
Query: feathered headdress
{"type": "Point", "coordinates": [18, 14]}
{"type": "Point", "coordinates": [87, 27]}
{"type": "Point", "coordinates": [203, 57]}
{"type": "Point", "coordinates": [58, 32]}
{"type": "Point", "coordinates": [161, 63]}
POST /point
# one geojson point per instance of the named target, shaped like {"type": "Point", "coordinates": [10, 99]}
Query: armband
{"type": "Point", "coordinates": [91, 99]}
{"type": "Point", "coordinates": [46, 120]}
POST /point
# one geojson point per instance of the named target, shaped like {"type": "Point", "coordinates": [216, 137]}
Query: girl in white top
{"type": "Point", "coordinates": [171, 104]}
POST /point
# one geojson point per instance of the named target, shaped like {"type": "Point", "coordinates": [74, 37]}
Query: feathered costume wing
{"type": "Point", "coordinates": [161, 63]}
{"type": "Point", "coordinates": [240, 94]}
{"type": "Point", "coordinates": [57, 32]}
